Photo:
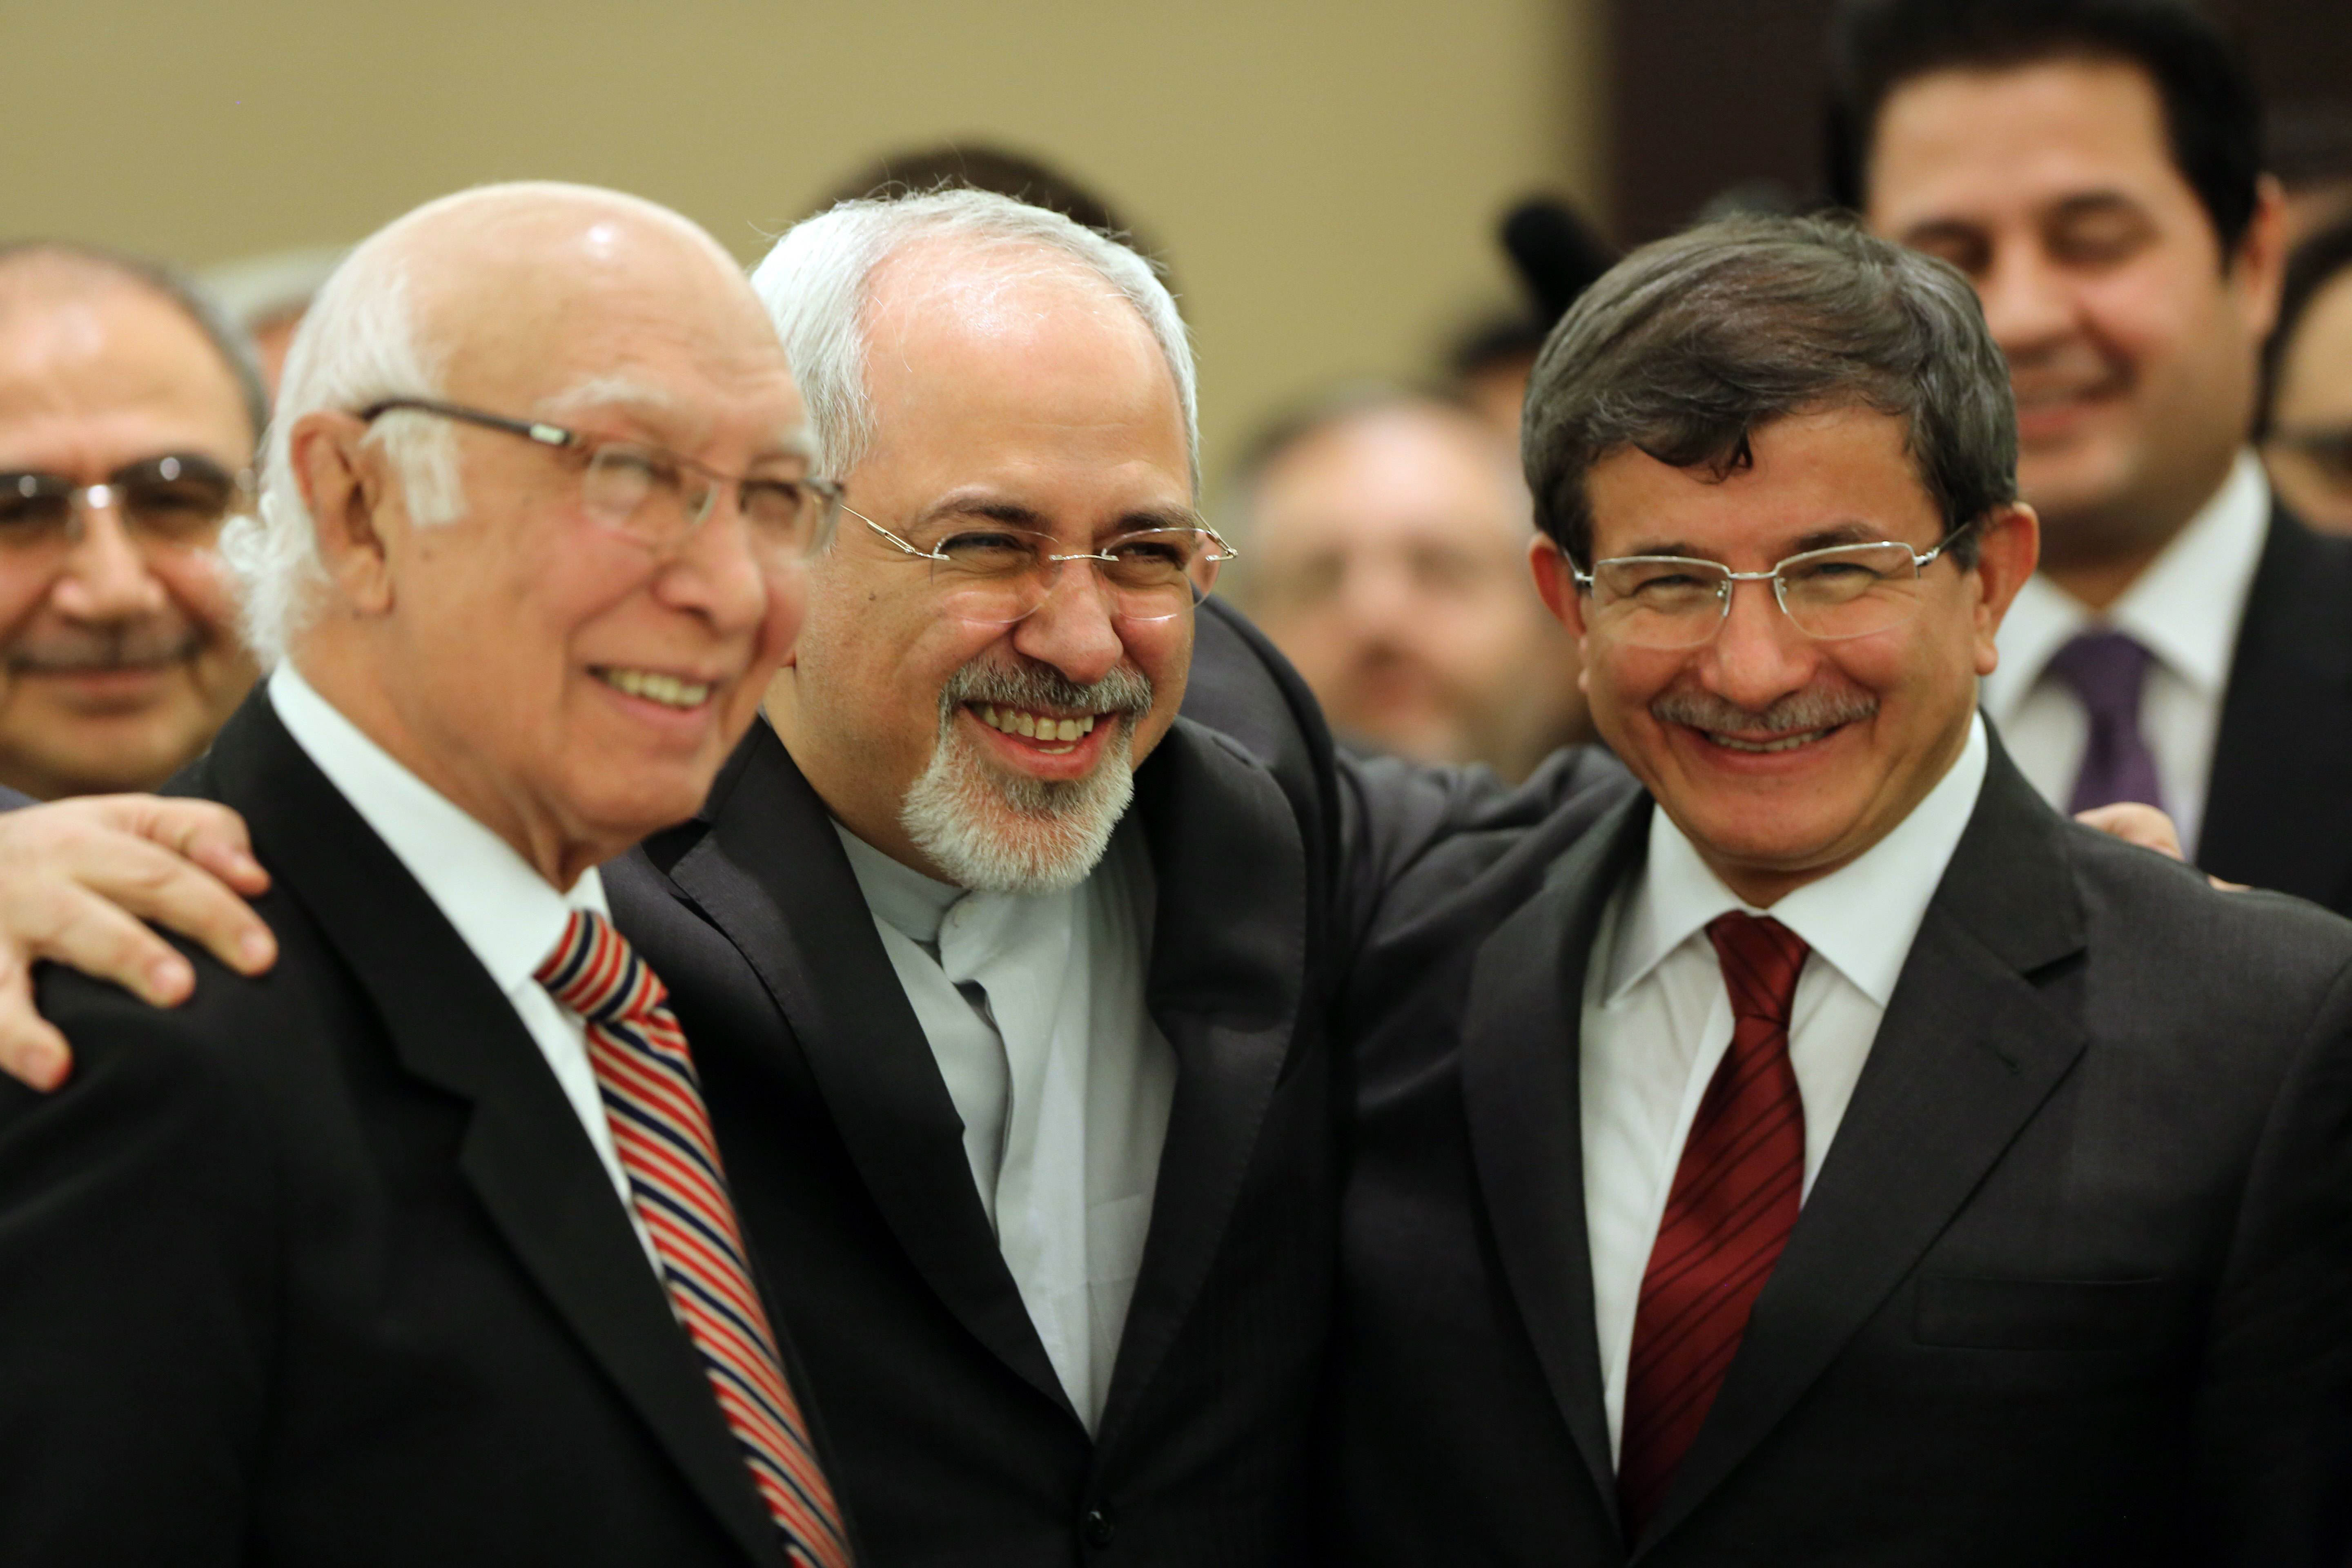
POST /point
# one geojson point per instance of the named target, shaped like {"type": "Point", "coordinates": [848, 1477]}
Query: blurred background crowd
{"type": "Point", "coordinates": [1370, 212]}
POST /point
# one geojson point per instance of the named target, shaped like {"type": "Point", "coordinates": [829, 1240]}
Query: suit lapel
{"type": "Point", "coordinates": [1227, 987]}
{"type": "Point", "coordinates": [524, 1151]}
{"type": "Point", "coordinates": [1519, 1091]}
{"type": "Point", "coordinates": [770, 873]}
{"type": "Point", "coordinates": [2283, 755]}
{"type": "Point", "coordinates": [1967, 1051]}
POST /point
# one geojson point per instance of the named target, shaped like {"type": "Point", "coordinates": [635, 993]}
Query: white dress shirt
{"type": "Point", "coordinates": [2185, 609]}
{"type": "Point", "coordinates": [1034, 1008]}
{"type": "Point", "coordinates": [504, 910]}
{"type": "Point", "coordinates": [1656, 1021]}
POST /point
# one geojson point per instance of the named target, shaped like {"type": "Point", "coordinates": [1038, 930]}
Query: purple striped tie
{"type": "Point", "coordinates": [662, 1134]}
{"type": "Point", "coordinates": [1728, 1217]}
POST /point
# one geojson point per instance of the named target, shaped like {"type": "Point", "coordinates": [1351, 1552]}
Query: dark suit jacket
{"type": "Point", "coordinates": [2074, 1285]}
{"type": "Point", "coordinates": [2278, 813]}
{"type": "Point", "coordinates": [952, 1441]}
{"type": "Point", "coordinates": [322, 1268]}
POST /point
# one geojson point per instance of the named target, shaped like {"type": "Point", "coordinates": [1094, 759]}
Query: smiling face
{"type": "Point", "coordinates": [571, 687]}
{"type": "Point", "coordinates": [1007, 388]}
{"type": "Point", "coordinates": [2131, 338]}
{"type": "Point", "coordinates": [119, 654]}
{"type": "Point", "coordinates": [1782, 757]}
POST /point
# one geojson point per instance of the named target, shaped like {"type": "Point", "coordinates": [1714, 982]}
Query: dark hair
{"type": "Point", "coordinates": [230, 341]}
{"type": "Point", "coordinates": [1691, 344]}
{"type": "Point", "coordinates": [2212, 116]}
{"type": "Point", "coordinates": [2317, 262]}
{"type": "Point", "coordinates": [981, 167]}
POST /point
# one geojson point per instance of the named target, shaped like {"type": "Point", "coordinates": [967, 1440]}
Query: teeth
{"type": "Point", "coordinates": [1034, 726]}
{"type": "Point", "coordinates": [1784, 743]}
{"type": "Point", "coordinates": [654, 686]}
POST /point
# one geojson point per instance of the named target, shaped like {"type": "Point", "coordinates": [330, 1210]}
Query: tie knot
{"type": "Point", "coordinates": [596, 974]}
{"type": "Point", "coordinates": [2105, 670]}
{"type": "Point", "coordinates": [1761, 959]}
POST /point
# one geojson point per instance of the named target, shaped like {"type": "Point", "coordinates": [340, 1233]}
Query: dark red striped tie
{"type": "Point", "coordinates": [1728, 1217]}
{"type": "Point", "coordinates": [654, 1102]}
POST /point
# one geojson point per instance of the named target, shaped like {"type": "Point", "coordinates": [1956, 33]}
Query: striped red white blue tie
{"type": "Point", "coordinates": [654, 1102]}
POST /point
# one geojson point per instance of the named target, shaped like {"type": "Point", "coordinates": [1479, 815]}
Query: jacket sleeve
{"type": "Point", "coordinates": [2276, 1405]}
{"type": "Point", "coordinates": [136, 1240]}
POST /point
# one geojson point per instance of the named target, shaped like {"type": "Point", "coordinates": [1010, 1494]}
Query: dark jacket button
{"type": "Point", "coordinates": [1098, 1529]}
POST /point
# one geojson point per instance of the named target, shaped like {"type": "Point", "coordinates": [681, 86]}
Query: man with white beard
{"type": "Point", "coordinates": [1014, 1041]}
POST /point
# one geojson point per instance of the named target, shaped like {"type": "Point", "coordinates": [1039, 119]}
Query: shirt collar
{"type": "Point", "coordinates": [912, 904]}
{"type": "Point", "coordinates": [503, 910]}
{"type": "Point", "coordinates": [2185, 609]}
{"type": "Point", "coordinates": [1860, 918]}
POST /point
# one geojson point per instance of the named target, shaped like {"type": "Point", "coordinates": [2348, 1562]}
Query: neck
{"type": "Point", "coordinates": [874, 821]}
{"type": "Point", "coordinates": [350, 684]}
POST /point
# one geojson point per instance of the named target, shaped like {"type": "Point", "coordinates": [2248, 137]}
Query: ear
{"type": "Point", "coordinates": [2259, 267]}
{"type": "Point", "coordinates": [1556, 584]}
{"type": "Point", "coordinates": [2008, 545]}
{"type": "Point", "coordinates": [343, 487]}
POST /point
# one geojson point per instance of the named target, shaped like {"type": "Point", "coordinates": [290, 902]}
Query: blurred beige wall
{"type": "Point", "coordinates": [1324, 174]}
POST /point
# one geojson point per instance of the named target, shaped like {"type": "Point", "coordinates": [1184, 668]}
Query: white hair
{"type": "Point", "coordinates": [357, 345]}
{"type": "Point", "coordinates": [816, 280]}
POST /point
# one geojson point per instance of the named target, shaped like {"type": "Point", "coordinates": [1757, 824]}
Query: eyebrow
{"type": "Point", "coordinates": [2081, 204]}
{"type": "Point", "coordinates": [1855, 532]}
{"type": "Point", "coordinates": [650, 405]}
{"type": "Point", "coordinates": [1017, 514]}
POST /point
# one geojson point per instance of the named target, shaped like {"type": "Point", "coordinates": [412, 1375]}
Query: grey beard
{"type": "Point", "coordinates": [1794, 714]}
{"type": "Point", "coordinates": [996, 832]}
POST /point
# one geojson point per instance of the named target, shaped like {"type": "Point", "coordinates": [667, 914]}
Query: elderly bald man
{"type": "Point", "coordinates": [419, 1250]}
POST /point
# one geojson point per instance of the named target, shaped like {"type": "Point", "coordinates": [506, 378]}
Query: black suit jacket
{"type": "Point", "coordinates": [2074, 1285]}
{"type": "Point", "coordinates": [322, 1268]}
{"type": "Point", "coordinates": [952, 1441]}
{"type": "Point", "coordinates": [2278, 811]}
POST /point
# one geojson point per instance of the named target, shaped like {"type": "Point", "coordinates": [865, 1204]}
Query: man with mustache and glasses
{"type": "Point", "coordinates": [1007, 945]}
{"type": "Point", "coordinates": [128, 419]}
{"type": "Point", "coordinates": [2095, 168]}
{"type": "Point", "coordinates": [1832, 1157]}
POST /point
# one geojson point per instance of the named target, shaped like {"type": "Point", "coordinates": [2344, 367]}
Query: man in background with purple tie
{"type": "Point", "coordinates": [418, 1249]}
{"type": "Point", "coordinates": [2095, 168]}
{"type": "Point", "coordinates": [1832, 1155]}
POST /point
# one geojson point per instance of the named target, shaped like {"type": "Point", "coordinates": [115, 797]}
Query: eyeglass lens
{"type": "Point", "coordinates": [644, 493]}
{"type": "Point", "coordinates": [997, 576]}
{"type": "Point", "coordinates": [172, 500]}
{"type": "Point", "coordinates": [1831, 594]}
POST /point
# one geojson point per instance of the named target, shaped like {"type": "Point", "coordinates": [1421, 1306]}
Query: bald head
{"type": "Point", "coordinates": [525, 295]}
{"type": "Point", "coordinates": [536, 510]}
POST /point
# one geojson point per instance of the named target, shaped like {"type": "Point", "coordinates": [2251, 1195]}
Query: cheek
{"type": "Point", "coordinates": [199, 583]}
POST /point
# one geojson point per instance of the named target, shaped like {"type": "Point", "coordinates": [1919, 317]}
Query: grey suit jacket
{"type": "Point", "coordinates": [2074, 1285]}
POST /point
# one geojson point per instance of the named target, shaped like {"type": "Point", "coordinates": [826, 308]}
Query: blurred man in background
{"type": "Point", "coordinates": [1385, 534]}
{"type": "Point", "coordinates": [2094, 168]}
{"type": "Point", "coordinates": [129, 415]}
{"type": "Point", "coordinates": [2308, 383]}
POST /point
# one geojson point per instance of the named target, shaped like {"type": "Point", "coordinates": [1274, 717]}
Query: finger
{"type": "Point", "coordinates": [94, 934]}
{"type": "Point", "coordinates": [2228, 887]}
{"type": "Point", "coordinates": [31, 1050]}
{"type": "Point", "coordinates": [155, 884]}
{"type": "Point", "coordinates": [203, 831]}
{"type": "Point", "coordinates": [2136, 823]}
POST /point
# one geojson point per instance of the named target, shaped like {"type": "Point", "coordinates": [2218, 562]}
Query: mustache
{"type": "Point", "coordinates": [127, 645]}
{"type": "Point", "coordinates": [1123, 691]}
{"type": "Point", "coordinates": [1812, 708]}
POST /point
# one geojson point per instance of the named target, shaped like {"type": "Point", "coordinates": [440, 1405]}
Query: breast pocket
{"type": "Point", "coordinates": [2124, 1317]}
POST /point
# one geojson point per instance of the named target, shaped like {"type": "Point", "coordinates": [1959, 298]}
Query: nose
{"type": "Point", "coordinates": [716, 574]}
{"type": "Point", "coordinates": [1758, 656]}
{"type": "Point", "coordinates": [1376, 594]}
{"type": "Point", "coordinates": [2027, 301]}
{"type": "Point", "coordinates": [105, 576]}
{"type": "Point", "coordinates": [1072, 630]}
